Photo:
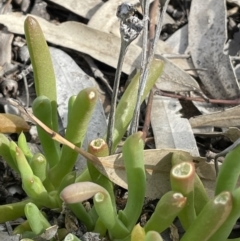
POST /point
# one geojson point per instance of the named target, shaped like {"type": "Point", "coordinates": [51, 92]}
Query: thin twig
{"type": "Point", "coordinates": [134, 123]}
{"type": "Point", "coordinates": [111, 121]}
{"type": "Point", "coordinates": [26, 89]}
{"type": "Point", "coordinates": [96, 72]}
{"type": "Point", "coordinates": [199, 99]}
{"type": "Point", "coordinates": [153, 12]}
{"type": "Point", "coordinates": [25, 72]}
{"type": "Point", "coordinates": [54, 135]}
{"type": "Point", "coordinates": [176, 56]}
{"type": "Point", "coordinates": [148, 115]}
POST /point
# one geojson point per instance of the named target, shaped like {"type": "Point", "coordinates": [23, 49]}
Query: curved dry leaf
{"type": "Point", "coordinates": [85, 8]}
{"type": "Point", "coordinates": [207, 36]}
{"type": "Point", "coordinates": [158, 166]}
{"type": "Point", "coordinates": [12, 124]}
{"type": "Point", "coordinates": [228, 118]}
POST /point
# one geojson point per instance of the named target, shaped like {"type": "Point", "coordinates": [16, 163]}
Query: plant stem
{"type": "Point", "coordinates": [123, 50]}
{"type": "Point", "coordinates": [145, 67]}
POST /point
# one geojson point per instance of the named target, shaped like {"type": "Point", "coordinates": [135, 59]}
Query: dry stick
{"type": "Point", "coordinates": [143, 78]}
{"type": "Point", "coordinates": [54, 135]}
{"type": "Point", "coordinates": [148, 115]}
{"type": "Point", "coordinates": [96, 72]}
{"type": "Point", "coordinates": [111, 121]}
{"type": "Point", "coordinates": [26, 89]}
{"type": "Point", "coordinates": [153, 12]}
{"type": "Point", "coordinates": [199, 99]}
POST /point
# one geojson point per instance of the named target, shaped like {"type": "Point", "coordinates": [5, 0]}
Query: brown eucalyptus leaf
{"type": "Point", "coordinates": [84, 8]}
{"type": "Point", "coordinates": [12, 124]}
{"type": "Point", "coordinates": [207, 36]}
{"type": "Point", "coordinates": [228, 118]}
{"type": "Point", "coordinates": [158, 166]}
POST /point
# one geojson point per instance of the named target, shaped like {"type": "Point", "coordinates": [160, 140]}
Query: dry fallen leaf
{"type": "Point", "coordinates": [207, 36]}
{"type": "Point", "coordinates": [12, 124]}
{"type": "Point", "coordinates": [84, 39]}
{"type": "Point", "coordinates": [158, 166]}
{"type": "Point", "coordinates": [169, 129]}
{"type": "Point", "coordinates": [227, 118]}
{"type": "Point", "coordinates": [175, 79]}
{"type": "Point", "coordinates": [85, 8]}
{"type": "Point", "coordinates": [100, 45]}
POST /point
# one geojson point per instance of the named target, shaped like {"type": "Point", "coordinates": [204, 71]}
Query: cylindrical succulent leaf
{"type": "Point", "coordinates": [80, 212]}
{"type": "Point", "coordinates": [99, 148]}
{"type": "Point", "coordinates": [81, 191]}
{"type": "Point", "coordinates": [213, 215]}
{"type": "Point", "coordinates": [71, 237]}
{"type": "Point", "coordinates": [67, 180]}
{"type": "Point", "coordinates": [200, 195]}
{"type": "Point", "coordinates": [22, 143]}
{"type": "Point", "coordinates": [37, 221]}
{"type": "Point", "coordinates": [138, 233]}
{"type": "Point", "coordinates": [31, 184]}
{"type": "Point", "coordinates": [78, 121]}
{"type": "Point", "coordinates": [226, 228]}
{"type": "Point", "coordinates": [42, 109]}
{"type": "Point", "coordinates": [5, 152]}
{"type": "Point", "coordinates": [182, 180]}
{"type": "Point", "coordinates": [225, 180]}
{"type": "Point", "coordinates": [44, 77]}
{"type": "Point", "coordinates": [136, 179]}
{"type": "Point", "coordinates": [126, 105]}
{"type": "Point", "coordinates": [12, 211]}
{"type": "Point", "coordinates": [38, 164]}
{"type": "Point", "coordinates": [166, 211]}
{"type": "Point", "coordinates": [22, 228]}
{"type": "Point", "coordinates": [153, 236]}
